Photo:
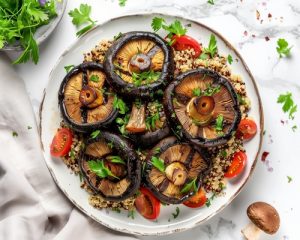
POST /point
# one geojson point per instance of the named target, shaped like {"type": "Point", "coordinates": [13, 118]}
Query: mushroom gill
{"type": "Point", "coordinates": [98, 149]}
{"type": "Point", "coordinates": [102, 112]}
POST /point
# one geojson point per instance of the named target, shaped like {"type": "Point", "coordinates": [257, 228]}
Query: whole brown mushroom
{"type": "Point", "coordinates": [264, 217]}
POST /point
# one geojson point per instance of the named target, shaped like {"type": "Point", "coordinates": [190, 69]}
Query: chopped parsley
{"type": "Point", "coordinates": [116, 37]}
{"type": "Point", "coordinates": [175, 28]}
{"type": "Point", "coordinates": [72, 154]}
{"type": "Point", "coordinates": [212, 48]}
{"type": "Point", "coordinates": [119, 104]}
{"type": "Point", "coordinates": [154, 116]}
{"type": "Point", "coordinates": [283, 48]}
{"type": "Point", "coordinates": [144, 77]}
{"type": "Point", "coordinates": [176, 214]}
{"type": "Point", "coordinates": [94, 78]}
{"type": "Point", "coordinates": [219, 123]}
{"type": "Point", "coordinates": [209, 91]}
{"type": "Point", "coordinates": [29, 127]}
{"type": "Point", "coordinates": [294, 128]}
{"type": "Point", "coordinates": [158, 163]}
{"type": "Point", "coordinates": [197, 92]}
{"type": "Point", "coordinates": [130, 214]}
{"type": "Point", "coordinates": [95, 134]}
{"type": "Point", "coordinates": [211, 2]}
{"type": "Point", "coordinates": [229, 59]}
{"type": "Point", "coordinates": [114, 209]}
{"type": "Point", "coordinates": [100, 169]}
{"type": "Point", "coordinates": [82, 16]}
{"type": "Point", "coordinates": [116, 159]}
{"type": "Point", "coordinates": [288, 104]}
{"type": "Point", "coordinates": [68, 68]}
{"type": "Point", "coordinates": [190, 186]}
{"type": "Point", "coordinates": [122, 3]}
{"type": "Point", "coordinates": [15, 134]}
{"type": "Point", "coordinates": [289, 179]}
{"type": "Point", "coordinates": [122, 122]}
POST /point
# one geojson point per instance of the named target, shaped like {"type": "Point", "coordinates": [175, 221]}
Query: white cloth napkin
{"type": "Point", "coordinates": [31, 206]}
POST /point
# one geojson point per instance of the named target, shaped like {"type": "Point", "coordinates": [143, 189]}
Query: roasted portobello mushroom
{"type": "Point", "coordinates": [139, 64]}
{"type": "Point", "coordinates": [174, 170]}
{"type": "Point", "coordinates": [147, 123]}
{"type": "Point", "coordinates": [202, 107]}
{"type": "Point", "coordinates": [111, 167]}
{"type": "Point", "coordinates": [85, 99]}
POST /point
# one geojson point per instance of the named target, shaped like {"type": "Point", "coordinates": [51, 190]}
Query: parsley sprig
{"type": "Point", "coordinates": [119, 104]}
{"type": "Point", "coordinates": [211, 50]}
{"type": "Point", "coordinates": [288, 104]}
{"type": "Point", "coordinates": [209, 91]}
{"type": "Point", "coordinates": [283, 48]}
{"type": "Point", "coordinates": [219, 123]}
{"type": "Point", "coordinates": [192, 185]}
{"type": "Point", "coordinates": [158, 163]}
{"type": "Point", "coordinates": [99, 168]}
{"type": "Point", "coordinates": [145, 77]}
{"type": "Point", "coordinates": [81, 16]}
{"type": "Point", "coordinates": [122, 122]}
{"type": "Point", "coordinates": [116, 159]}
{"type": "Point", "coordinates": [19, 20]}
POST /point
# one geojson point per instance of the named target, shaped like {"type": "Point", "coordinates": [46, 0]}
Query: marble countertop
{"type": "Point", "coordinates": [247, 24]}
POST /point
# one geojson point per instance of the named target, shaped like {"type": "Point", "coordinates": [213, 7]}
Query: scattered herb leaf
{"type": "Point", "coordinates": [229, 59]}
{"type": "Point", "coordinates": [15, 134]}
{"type": "Point", "coordinates": [211, 2]}
{"type": "Point", "coordinates": [158, 163]}
{"type": "Point", "coordinates": [144, 77]}
{"type": "Point", "coordinates": [294, 128]}
{"type": "Point", "coordinates": [68, 68]}
{"type": "Point", "coordinates": [119, 104]}
{"type": "Point", "coordinates": [288, 104]}
{"type": "Point", "coordinates": [188, 186]}
{"type": "Point", "coordinates": [175, 28]}
{"type": "Point", "coordinates": [116, 159]}
{"type": "Point", "coordinates": [130, 214]}
{"type": "Point", "coordinates": [29, 127]}
{"type": "Point", "coordinates": [100, 169]}
{"type": "Point", "coordinates": [283, 48]}
{"type": "Point", "coordinates": [219, 123]}
{"type": "Point", "coordinates": [94, 78]}
{"type": "Point", "coordinates": [95, 134]}
{"type": "Point", "coordinates": [212, 48]}
{"type": "Point", "coordinates": [289, 179]}
{"type": "Point", "coordinates": [122, 3]}
{"type": "Point", "coordinates": [176, 214]}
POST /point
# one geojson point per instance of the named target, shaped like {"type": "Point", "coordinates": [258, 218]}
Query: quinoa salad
{"type": "Point", "coordinates": [150, 121]}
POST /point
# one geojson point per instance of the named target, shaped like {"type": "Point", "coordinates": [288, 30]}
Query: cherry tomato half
{"type": "Point", "coordinates": [61, 143]}
{"type": "Point", "coordinates": [147, 204]}
{"type": "Point", "coordinates": [247, 128]}
{"type": "Point", "coordinates": [238, 164]}
{"type": "Point", "coordinates": [198, 200]}
{"type": "Point", "coordinates": [185, 42]}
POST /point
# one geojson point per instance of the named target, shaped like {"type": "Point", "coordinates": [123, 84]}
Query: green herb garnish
{"type": "Point", "coordinates": [119, 104]}
{"type": "Point", "coordinates": [144, 77]}
{"type": "Point", "coordinates": [94, 78]}
{"type": "Point", "coordinates": [197, 92]}
{"type": "Point", "coordinates": [29, 127]}
{"type": "Point", "coordinates": [283, 48]}
{"type": "Point", "coordinates": [176, 214]}
{"type": "Point", "coordinates": [100, 169]}
{"type": "Point", "coordinates": [211, 2]}
{"type": "Point", "coordinates": [122, 2]}
{"type": "Point", "coordinates": [122, 122]}
{"type": "Point", "coordinates": [190, 186]}
{"type": "Point", "coordinates": [229, 59]}
{"type": "Point", "coordinates": [116, 37]}
{"type": "Point", "coordinates": [95, 134]}
{"type": "Point", "coordinates": [212, 48]}
{"type": "Point", "coordinates": [294, 128]}
{"type": "Point", "coordinates": [116, 159]}
{"type": "Point", "coordinates": [289, 179]}
{"type": "Point", "coordinates": [68, 68]}
{"type": "Point", "coordinates": [15, 134]}
{"type": "Point", "coordinates": [219, 123]}
{"type": "Point", "coordinates": [114, 209]}
{"type": "Point", "coordinates": [288, 104]}
{"type": "Point", "coordinates": [158, 163]}
{"type": "Point", "coordinates": [82, 16]}
{"type": "Point", "coordinates": [209, 91]}
{"type": "Point", "coordinates": [130, 214]}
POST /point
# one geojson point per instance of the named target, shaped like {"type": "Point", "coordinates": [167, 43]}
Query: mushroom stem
{"type": "Point", "coordinates": [251, 232]}
{"type": "Point", "coordinates": [136, 123]}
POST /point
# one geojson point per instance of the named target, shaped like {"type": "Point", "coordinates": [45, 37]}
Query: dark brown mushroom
{"type": "Point", "coordinates": [85, 99]}
{"type": "Point", "coordinates": [202, 106]}
{"type": "Point", "coordinates": [139, 64]}
{"type": "Point", "coordinates": [147, 123]}
{"type": "Point", "coordinates": [263, 217]}
{"type": "Point", "coordinates": [111, 167]}
{"type": "Point", "coordinates": [184, 167]}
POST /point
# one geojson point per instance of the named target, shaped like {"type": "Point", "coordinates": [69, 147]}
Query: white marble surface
{"type": "Point", "coordinates": [273, 75]}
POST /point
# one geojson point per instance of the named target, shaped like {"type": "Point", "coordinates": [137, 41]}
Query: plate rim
{"type": "Point", "coordinates": [260, 109]}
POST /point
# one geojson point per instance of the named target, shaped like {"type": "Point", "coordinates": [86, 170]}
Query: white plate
{"type": "Point", "coordinates": [69, 183]}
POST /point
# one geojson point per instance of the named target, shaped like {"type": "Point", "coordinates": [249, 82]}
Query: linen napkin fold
{"type": "Point", "coordinates": [31, 206]}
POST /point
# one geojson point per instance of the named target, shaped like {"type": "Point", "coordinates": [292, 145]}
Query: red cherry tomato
{"type": "Point", "coordinates": [247, 128]}
{"type": "Point", "coordinates": [198, 200]}
{"type": "Point", "coordinates": [147, 204]}
{"type": "Point", "coordinates": [237, 165]}
{"type": "Point", "coordinates": [185, 42]}
{"type": "Point", "coordinates": [61, 143]}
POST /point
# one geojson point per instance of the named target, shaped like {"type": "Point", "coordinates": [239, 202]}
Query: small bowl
{"type": "Point", "coordinates": [42, 32]}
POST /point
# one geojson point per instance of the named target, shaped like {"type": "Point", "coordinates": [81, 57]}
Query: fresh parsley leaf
{"type": "Point", "coordinates": [203, 56]}
{"type": "Point", "coordinates": [289, 179]}
{"type": "Point", "coordinates": [211, 90]}
{"type": "Point", "coordinates": [145, 77]}
{"type": "Point", "coordinates": [15, 134]}
{"type": "Point", "coordinates": [116, 37]}
{"type": "Point", "coordinates": [208, 201]}
{"type": "Point", "coordinates": [283, 48]}
{"type": "Point", "coordinates": [212, 48]}
{"type": "Point", "coordinates": [190, 186]}
{"type": "Point", "coordinates": [94, 78]}
{"type": "Point", "coordinates": [294, 128]}
{"type": "Point", "coordinates": [229, 59]}
{"type": "Point", "coordinates": [197, 92]}
{"type": "Point", "coordinates": [157, 23]}
{"type": "Point", "coordinates": [288, 104]}
{"type": "Point", "coordinates": [130, 214]}
{"type": "Point", "coordinates": [119, 104]}
{"type": "Point", "coordinates": [122, 2]}
{"type": "Point", "coordinates": [122, 122]}
{"type": "Point", "coordinates": [72, 154]}
{"type": "Point", "coordinates": [176, 214]}
{"type": "Point", "coordinates": [95, 134]}
{"type": "Point", "coordinates": [29, 127]}
{"type": "Point", "coordinates": [82, 16]}
{"type": "Point", "coordinates": [219, 123]}
{"type": "Point", "coordinates": [68, 68]}
{"type": "Point", "coordinates": [100, 169]}
{"type": "Point", "coordinates": [211, 2]}
{"type": "Point", "coordinates": [158, 163]}
{"type": "Point", "coordinates": [118, 210]}
{"type": "Point", "coordinates": [116, 159]}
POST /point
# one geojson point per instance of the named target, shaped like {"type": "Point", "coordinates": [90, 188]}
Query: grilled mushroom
{"type": "Point", "coordinates": [85, 100]}
{"type": "Point", "coordinates": [111, 167]}
{"type": "Point", "coordinates": [175, 170]}
{"type": "Point", "coordinates": [147, 123]}
{"type": "Point", "coordinates": [139, 64]}
{"type": "Point", "coordinates": [202, 106]}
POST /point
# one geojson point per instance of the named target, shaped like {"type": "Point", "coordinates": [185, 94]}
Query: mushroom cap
{"type": "Point", "coordinates": [264, 216]}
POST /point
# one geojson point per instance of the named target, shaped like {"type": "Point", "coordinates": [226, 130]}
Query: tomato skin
{"type": "Point", "coordinates": [184, 42]}
{"type": "Point", "coordinates": [147, 204]}
{"type": "Point", "coordinates": [196, 201]}
{"type": "Point", "coordinates": [61, 143]}
{"type": "Point", "coordinates": [238, 164]}
{"type": "Point", "coordinates": [247, 129]}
